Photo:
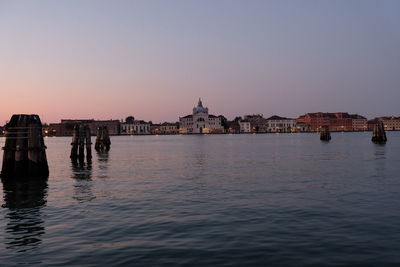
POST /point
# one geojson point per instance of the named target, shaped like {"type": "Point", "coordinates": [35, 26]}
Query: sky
{"type": "Point", "coordinates": [153, 59]}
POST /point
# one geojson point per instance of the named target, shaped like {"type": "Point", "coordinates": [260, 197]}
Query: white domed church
{"type": "Point", "coordinates": [200, 122]}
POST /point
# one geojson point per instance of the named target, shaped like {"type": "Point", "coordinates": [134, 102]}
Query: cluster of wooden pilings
{"type": "Point", "coordinates": [378, 133]}
{"type": "Point", "coordinates": [325, 134]}
{"type": "Point", "coordinates": [24, 149]}
{"type": "Point", "coordinates": [102, 139]}
{"type": "Point", "coordinates": [81, 139]}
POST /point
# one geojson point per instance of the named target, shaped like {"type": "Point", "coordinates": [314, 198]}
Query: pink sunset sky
{"type": "Point", "coordinates": [154, 59]}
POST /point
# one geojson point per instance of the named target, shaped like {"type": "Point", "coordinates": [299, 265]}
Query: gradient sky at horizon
{"type": "Point", "coordinates": [154, 59]}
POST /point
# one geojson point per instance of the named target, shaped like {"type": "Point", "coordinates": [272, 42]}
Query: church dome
{"type": "Point", "coordinates": [200, 108]}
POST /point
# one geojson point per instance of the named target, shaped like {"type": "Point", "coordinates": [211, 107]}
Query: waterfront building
{"type": "Point", "coordinates": [224, 123]}
{"type": "Point", "coordinates": [113, 126]}
{"type": "Point", "coordinates": [200, 122]}
{"type": "Point", "coordinates": [169, 128]}
{"type": "Point", "coordinates": [155, 128]}
{"type": "Point", "coordinates": [66, 127]}
{"type": "Point", "coordinates": [390, 123]}
{"type": "Point", "coordinates": [54, 129]}
{"type": "Point", "coordinates": [301, 127]}
{"type": "Point", "coordinates": [315, 120]}
{"type": "Point", "coordinates": [137, 127]}
{"type": "Point", "coordinates": [165, 128]}
{"type": "Point", "coordinates": [340, 121]}
{"type": "Point", "coordinates": [258, 123]}
{"type": "Point", "coordinates": [245, 126]}
{"type": "Point", "coordinates": [277, 124]}
{"type": "Point", "coordinates": [232, 127]}
{"type": "Point", "coordinates": [359, 122]}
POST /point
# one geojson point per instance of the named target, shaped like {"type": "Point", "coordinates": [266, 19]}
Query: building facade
{"type": "Point", "coordinates": [113, 126]}
{"type": "Point", "coordinates": [277, 124]}
{"type": "Point", "coordinates": [200, 122]}
{"type": "Point", "coordinates": [301, 127]}
{"type": "Point", "coordinates": [360, 123]}
{"type": "Point", "coordinates": [258, 123]}
{"type": "Point", "coordinates": [390, 123]}
{"type": "Point", "coordinates": [66, 127]}
{"type": "Point", "coordinates": [138, 127]}
{"type": "Point", "coordinates": [233, 127]}
{"type": "Point", "coordinates": [169, 128]}
{"type": "Point", "coordinates": [340, 121]}
{"type": "Point", "coordinates": [245, 126]}
{"type": "Point", "coordinates": [165, 128]}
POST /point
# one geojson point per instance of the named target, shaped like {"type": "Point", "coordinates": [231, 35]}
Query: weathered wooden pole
{"type": "Point", "coordinates": [378, 133]}
{"type": "Point", "coordinates": [21, 146]}
{"type": "Point", "coordinates": [88, 142]}
{"type": "Point", "coordinates": [80, 140]}
{"type": "Point", "coordinates": [74, 143]}
{"type": "Point", "coordinates": [102, 139]}
{"type": "Point", "coordinates": [24, 149]}
{"type": "Point", "coordinates": [325, 134]}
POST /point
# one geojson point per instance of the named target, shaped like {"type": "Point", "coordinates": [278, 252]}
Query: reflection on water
{"type": "Point", "coordinates": [200, 156]}
{"type": "Point", "coordinates": [379, 151]}
{"type": "Point", "coordinates": [25, 225]}
{"type": "Point", "coordinates": [379, 159]}
{"type": "Point", "coordinates": [82, 173]}
{"type": "Point", "coordinates": [240, 200]}
{"type": "Point", "coordinates": [103, 158]}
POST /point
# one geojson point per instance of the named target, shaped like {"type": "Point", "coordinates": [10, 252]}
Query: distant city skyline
{"type": "Point", "coordinates": [154, 59]}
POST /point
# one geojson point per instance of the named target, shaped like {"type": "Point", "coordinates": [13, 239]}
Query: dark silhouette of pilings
{"type": "Point", "coordinates": [103, 139]}
{"type": "Point", "coordinates": [24, 150]}
{"type": "Point", "coordinates": [80, 139]}
{"type": "Point", "coordinates": [325, 134]}
{"type": "Point", "coordinates": [378, 133]}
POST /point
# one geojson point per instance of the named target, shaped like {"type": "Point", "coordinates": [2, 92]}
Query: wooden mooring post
{"type": "Point", "coordinates": [325, 134]}
{"type": "Point", "coordinates": [378, 133]}
{"type": "Point", "coordinates": [24, 150]}
{"type": "Point", "coordinates": [102, 139]}
{"type": "Point", "coordinates": [80, 139]}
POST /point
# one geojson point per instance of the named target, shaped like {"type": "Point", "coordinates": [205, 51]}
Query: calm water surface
{"type": "Point", "coordinates": [242, 200]}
